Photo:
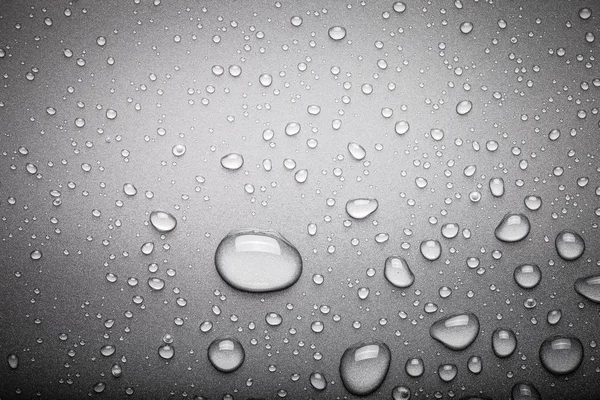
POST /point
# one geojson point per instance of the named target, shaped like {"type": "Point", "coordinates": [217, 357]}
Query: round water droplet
{"type": "Point", "coordinates": [147, 248]}
{"type": "Point", "coordinates": [414, 367]}
{"type": "Point", "coordinates": [401, 127]}
{"type": "Point", "coordinates": [111, 114]}
{"type": "Point", "coordinates": [129, 189]}
{"type": "Point", "coordinates": [226, 354]}
{"type": "Point", "coordinates": [589, 287]}
{"type": "Point", "coordinates": [524, 391]}
{"type": "Point", "coordinates": [337, 32]}
{"type": "Point", "coordinates": [554, 317]}
{"type": "Point", "coordinates": [318, 381]}
{"type": "Point", "coordinates": [457, 332]}
{"type": "Point", "coordinates": [292, 129]}
{"type": "Point", "coordinates": [232, 161]}
{"type": "Point", "coordinates": [273, 319]}
{"type": "Point", "coordinates": [166, 351]}
{"type": "Point", "coordinates": [301, 175]}
{"type": "Point", "coordinates": [527, 276]}
{"type": "Point", "coordinates": [156, 283]}
{"type": "Point", "coordinates": [466, 27]}
{"type": "Point", "coordinates": [447, 372]}
{"type": "Point", "coordinates": [463, 107]}
{"type": "Point", "coordinates": [364, 366]}
{"type": "Point", "coordinates": [569, 245]}
{"type": "Point", "coordinates": [400, 393]}
{"type": "Point", "coordinates": [436, 134]}
{"type": "Point", "coordinates": [450, 230]}
{"type": "Point", "coordinates": [361, 208]}
{"type": "Point", "coordinates": [163, 221]}
{"type": "Point", "coordinates": [585, 13]}
{"type": "Point", "coordinates": [296, 20]}
{"type": "Point", "coordinates": [431, 249]}
{"type": "Point", "coordinates": [512, 228]}
{"type": "Point", "coordinates": [265, 80]}
{"type": "Point", "coordinates": [256, 260]}
{"type": "Point", "coordinates": [357, 151]}
{"type": "Point", "coordinates": [399, 7]}
{"type": "Point", "coordinates": [561, 354]}
{"type": "Point", "coordinates": [533, 202]}
{"type": "Point", "coordinates": [397, 272]}
{"type": "Point", "coordinates": [504, 342]}
{"type": "Point", "coordinates": [178, 150]}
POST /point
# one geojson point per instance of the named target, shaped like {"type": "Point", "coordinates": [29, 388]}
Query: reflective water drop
{"type": "Point", "coordinates": [456, 332]}
{"type": "Point", "coordinates": [431, 249]}
{"type": "Point", "coordinates": [318, 381]}
{"type": "Point", "coordinates": [447, 372]}
{"type": "Point", "coordinates": [504, 342]}
{"type": "Point", "coordinates": [554, 317]}
{"type": "Point", "coordinates": [163, 221]}
{"type": "Point", "coordinates": [156, 283]}
{"type": "Point", "coordinates": [397, 272]}
{"type": "Point", "coordinates": [147, 248]}
{"type": "Point", "coordinates": [273, 319]}
{"type": "Point", "coordinates": [527, 276]}
{"type": "Point", "coordinates": [129, 189]}
{"type": "Point", "coordinates": [533, 202]}
{"type": "Point", "coordinates": [178, 150]}
{"type": "Point", "coordinates": [226, 354]}
{"type": "Point", "coordinates": [399, 7]}
{"type": "Point", "coordinates": [436, 134]}
{"type": "Point", "coordinates": [361, 208]}
{"type": "Point", "coordinates": [497, 187]}
{"type": "Point", "coordinates": [463, 107]}
{"type": "Point", "coordinates": [13, 361]}
{"type": "Point", "coordinates": [524, 391]}
{"type": "Point", "coordinates": [364, 366]}
{"type": "Point", "coordinates": [111, 114]}
{"type": "Point", "coordinates": [466, 27]}
{"type": "Point", "coordinates": [561, 354]}
{"type": "Point", "coordinates": [337, 32]}
{"type": "Point", "coordinates": [414, 367]}
{"type": "Point", "coordinates": [569, 245]}
{"type": "Point", "coordinates": [265, 80]}
{"type": "Point", "coordinates": [357, 151]}
{"type": "Point", "coordinates": [401, 127]}
{"type": "Point", "coordinates": [256, 260]}
{"type": "Point", "coordinates": [400, 393]}
{"type": "Point", "coordinates": [589, 287]}
{"type": "Point", "coordinates": [166, 351]}
{"type": "Point", "coordinates": [512, 228]}
{"type": "Point", "coordinates": [450, 230]}
{"type": "Point", "coordinates": [301, 175]}
{"type": "Point", "coordinates": [475, 365]}
{"type": "Point", "coordinates": [232, 161]}
{"type": "Point", "coordinates": [296, 20]}
{"type": "Point", "coordinates": [292, 128]}
{"type": "Point", "coordinates": [108, 350]}
{"type": "Point", "coordinates": [585, 13]}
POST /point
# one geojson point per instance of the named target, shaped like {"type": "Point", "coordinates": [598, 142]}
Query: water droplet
{"type": "Point", "coordinates": [301, 175]}
{"type": "Point", "coordinates": [450, 230]}
{"type": "Point", "coordinates": [318, 381]}
{"type": "Point", "coordinates": [292, 128]}
{"type": "Point", "coordinates": [447, 372]}
{"type": "Point", "coordinates": [397, 272]}
{"type": "Point", "coordinates": [147, 248]}
{"type": "Point", "coordinates": [364, 366]}
{"type": "Point", "coordinates": [266, 80]}
{"type": "Point", "coordinates": [497, 187]}
{"type": "Point", "coordinates": [527, 276]}
{"type": "Point", "coordinates": [504, 342]}
{"type": "Point", "coordinates": [401, 127]}
{"type": "Point", "coordinates": [431, 249]}
{"type": "Point", "coordinates": [400, 392]}
{"type": "Point", "coordinates": [129, 189]}
{"type": "Point", "coordinates": [569, 245]}
{"type": "Point", "coordinates": [226, 354]}
{"type": "Point", "coordinates": [256, 260]}
{"type": "Point", "coordinates": [357, 151]}
{"type": "Point", "coordinates": [166, 351]}
{"type": "Point", "coordinates": [561, 354]}
{"type": "Point", "coordinates": [399, 7]}
{"type": "Point", "coordinates": [554, 317]}
{"type": "Point", "coordinates": [457, 332]}
{"type": "Point", "coordinates": [463, 107]}
{"type": "Point", "coordinates": [585, 13]}
{"type": "Point", "coordinates": [524, 391]}
{"type": "Point", "coordinates": [475, 364]}
{"type": "Point", "coordinates": [512, 228]}
{"type": "Point", "coordinates": [156, 283]}
{"type": "Point", "coordinates": [589, 287]}
{"type": "Point", "coordinates": [436, 134]}
{"type": "Point", "coordinates": [361, 208]}
{"type": "Point", "coordinates": [337, 32]}
{"type": "Point", "coordinates": [13, 361]}
{"type": "Point", "coordinates": [533, 202]}
{"type": "Point", "coordinates": [232, 161]}
{"type": "Point", "coordinates": [108, 350]}
{"type": "Point", "coordinates": [466, 27]}
{"type": "Point", "coordinates": [273, 319]}
{"type": "Point", "coordinates": [35, 255]}
{"type": "Point", "coordinates": [99, 387]}
{"type": "Point", "coordinates": [111, 114]}
{"type": "Point", "coordinates": [178, 150]}
{"type": "Point", "coordinates": [296, 20]}
{"type": "Point", "coordinates": [162, 221]}
{"type": "Point", "coordinates": [414, 367]}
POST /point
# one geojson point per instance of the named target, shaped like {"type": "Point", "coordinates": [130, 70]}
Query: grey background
{"type": "Point", "coordinates": [74, 296]}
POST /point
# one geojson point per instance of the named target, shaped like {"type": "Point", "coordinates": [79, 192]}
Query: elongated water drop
{"type": "Point", "coordinates": [337, 32]}
{"type": "Point", "coordinates": [497, 187]}
{"type": "Point", "coordinates": [561, 354]}
{"type": "Point", "coordinates": [226, 354]}
{"type": "Point", "coordinates": [524, 391]}
{"type": "Point", "coordinates": [589, 287]}
{"type": "Point", "coordinates": [456, 332]}
{"type": "Point", "coordinates": [569, 245]}
{"type": "Point", "coordinates": [504, 342]}
{"type": "Point", "coordinates": [357, 151]}
{"type": "Point", "coordinates": [232, 161]}
{"type": "Point", "coordinates": [397, 272]}
{"type": "Point", "coordinates": [463, 107]}
{"type": "Point", "coordinates": [256, 260]}
{"type": "Point", "coordinates": [512, 228]}
{"type": "Point", "coordinates": [318, 381]}
{"type": "Point", "coordinates": [361, 208]}
{"type": "Point", "coordinates": [163, 221]}
{"type": "Point", "coordinates": [364, 366]}
{"type": "Point", "coordinates": [13, 361]}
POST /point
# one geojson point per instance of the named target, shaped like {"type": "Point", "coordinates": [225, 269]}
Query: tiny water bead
{"type": "Point", "coordinates": [226, 354]}
{"type": "Point", "coordinates": [397, 272]}
{"type": "Point", "coordinates": [364, 366]}
{"type": "Point", "coordinates": [232, 161]}
{"type": "Point", "coordinates": [561, 354]}
{"type": "Point", "coordinates": [163, 221]}
{"type": "Point", "coordinates": [569, 245]}
{"type": "Point", "coordinates": [589, 287]}
{"type": "Point", "coordinates": [457, 332]}
{"type": "Point", "coordinates": [361, 208]}
{"type": "Point", "coordinates": [257, 260]}
{"type": "Point", "coordinates": [512, 228]}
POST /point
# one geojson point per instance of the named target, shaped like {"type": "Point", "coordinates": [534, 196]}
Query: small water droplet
{"type": "Point", "coordinates": [589, 287]}
{"type": "Point", "coordinates": [431, 249]}
{"type": "Point", "coordinates": [318, 381]}
{"type": "Point", "coordinates": [527, 276]}
{"type": "Point", "coordinates": [524, 391]}
{"type": "Point", "coordinates": [464, 107]}
{"type": "Point", "coordinates": [226, 354]}
{"type": "Point", "coordinates": [337, 32]}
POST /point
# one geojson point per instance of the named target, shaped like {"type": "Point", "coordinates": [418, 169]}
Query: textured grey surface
{"type": "Point", "coordinates": [66, 291]}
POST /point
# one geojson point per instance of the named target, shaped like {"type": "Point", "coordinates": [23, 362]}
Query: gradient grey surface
{"type": "Point", "coordinates": [541, 65]}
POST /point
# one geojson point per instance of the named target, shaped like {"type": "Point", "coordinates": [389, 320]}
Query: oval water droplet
{"type": "Point", "coordinates": [497, 187]}
{"type": "Point", "coordinates": [450, 230]}
{"type": "Point", "coordinates": [527, 276]}
{"type": "Point", "coordinates": [318, 381]}
{"type": "Point", "coordinates": [414, 367]}
{"type": "Point", "coordinates": [464, 107]}
{"type": "Point", "coordinates": [397, 272]}
{"type": "Point", "coordinates": [361, 208]}
{"type": "Point", "coordinates": [357, 151]}
{"type": "Point", "coordinates": [512, 228]}
{"type": "Point", "coordinates": [256, 260]}
{"type": "Point", "coordinates": [401, 127]}
{"type": "Point", "coordinates": [400, 393]}
{"type": "Point", "coordinates": [364, 366]}
{"type": "Point", "coordinates": [265, 80]}
{"type": "Point", "coordinates": [337, 32]}
{"type": "Point", "coordinates": [589, 287]}
{"type": "Point", "coordinates": [13, 361]}
{"type": "Point", "coordinates": [524, 391]}
{"type": "Point", "coordinates": [475, 365]}
{"type": "Point", "coordinates": [561, 354]}
{"type": "Point", "coordinates": [166, 351]}
{"type": "Point", "coordinates": [457, 332]}
{"type": "Point", "coordinates": [232, 161]}
{"type": "Point", "coordinates": [431, 249]}
{"type": "Point", "coordinates": [569, 245]}
{"type": "Point", "coordinates": [226, 354]}
{"type": "Point", "coordinates": [504, 342]}
{"type": "Point", "coordinates": [533, 202]}
{"type": "Point", "coordinates": [163, 221]}
{"type": "Point", "coordinates": [292, 129]}
{"type": "Point", "coordinates": [447, 372]}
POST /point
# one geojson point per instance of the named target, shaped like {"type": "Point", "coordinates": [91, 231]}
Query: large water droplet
{"type": "Point", "coordinates": [589, 287]}
{"type": "Point", "coordinates": [364, 366]}
{"type": "Point", "coordinates": [527, 276]}
{"type": "Point", "coordinates": [561, 354]}
{"type": "Point", "coordinates": [357, 151]}
{"type": "Point", "coordinates": [361, 208]}
{"type": "Point", "coordinates": [258, 260]}
{"type": "Point", "coordinates": [512, 228]}
{"type": "Point", "coordinates": [569, 245]}
{"type": "Point", "coordinates": [163, 221]}
{"type": "Point", "coordinates": [504, 342]}
{"type": "Point", "coordinates": [524, 391]}
{"type": "Point", "coordinates": [397, 272]}
{"type": "Point", "coordinates": [456, 332]}
{"type": "Point", "coordinates": [226, 354]}
{"type": "Point", "coordinates": [232, 161]}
